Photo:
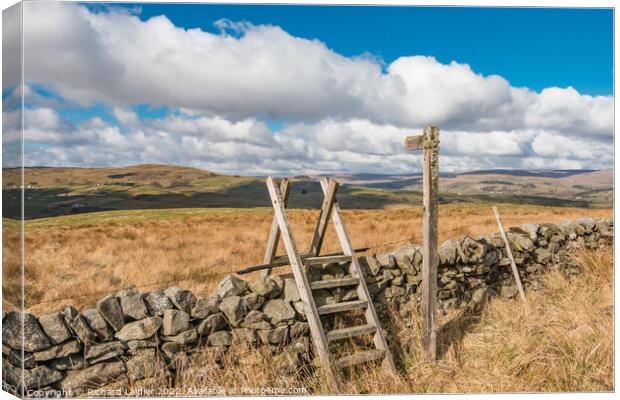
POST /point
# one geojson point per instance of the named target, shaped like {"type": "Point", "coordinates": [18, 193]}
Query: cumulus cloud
{"type": "Point", "coordinates": [40, 125]}
{"type": "Point", "coordinates": [263, 72]}
{"type": "Point", "coordinates": [217, 128]}
{"type": "Point", "coordinates": [126, 117]}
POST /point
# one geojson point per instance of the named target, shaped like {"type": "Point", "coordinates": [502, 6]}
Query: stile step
{"type": "Point", "coordinates": [359, 358]}
{"type": "Point", "coordinates": [340, 307]}
{"type": "Point", "coordinates": [334, 283]}
{"type": "Point", "coordinates": [350, 332]}
{"type": "Point", "coordinates": [326, 259]}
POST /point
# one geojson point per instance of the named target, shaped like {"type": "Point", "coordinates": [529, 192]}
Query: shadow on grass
{"type": "Point", "coordinates": [453, 332]}
{"type": "Point", "coordinates": [56, 201]}
{"type": "Point", "coordinates": [49, 202]}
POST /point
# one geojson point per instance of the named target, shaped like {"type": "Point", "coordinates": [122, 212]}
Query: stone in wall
{"type": "Point", "coordinates": [182, 299]}
{"type": "Point", "coordinates": [132, 304]}
{"type": "Point", "coordinates": [111, 311]}
{"type": "Point", "coordinates": [157, 303]}
{"type": "Point", "coordinates": [96, 322]}
{"type": "Point", "coordinates": [234, 309]}
{"type": "Point", "coordinates": [23, 330]}
{"type": "Point", "coordinates": [205, 307]}
{"type": "Point", "coordinates": [54, 327]}
{"type": "Point", "coordinates": [138, 330]}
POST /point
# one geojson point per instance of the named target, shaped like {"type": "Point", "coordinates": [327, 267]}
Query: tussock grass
{"type": "Point", "coordinates": [560, 341]}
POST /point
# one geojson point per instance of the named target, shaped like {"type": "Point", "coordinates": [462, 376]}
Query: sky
{"type": "Point", "coordinates": [310, 89]}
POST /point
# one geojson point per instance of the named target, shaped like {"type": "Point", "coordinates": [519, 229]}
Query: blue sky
{"type": "Point", "coordinates": [533, 47]}
{"type": "Point", "coordinates": [314, 89]}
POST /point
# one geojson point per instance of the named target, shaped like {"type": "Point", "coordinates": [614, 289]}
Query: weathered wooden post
{"type": "Point", "coordinates": [429, 142]}
{"type": "Point", "coordinates": [274, 233]}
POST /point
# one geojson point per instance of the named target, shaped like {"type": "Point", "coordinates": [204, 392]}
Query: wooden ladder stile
{"type": "Point", "coordinates": [355, 271]}
{"type": "Point", "coordinates": [300, 263]}
{"type": "Point", "coordinates": [305, 292]}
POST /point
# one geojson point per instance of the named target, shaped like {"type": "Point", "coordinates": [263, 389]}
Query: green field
{"type": "Point", "coordinates": [122, 217]}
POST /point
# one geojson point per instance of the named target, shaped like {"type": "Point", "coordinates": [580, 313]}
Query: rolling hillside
{"type": "Point", "coordinates": [594, 187]}
{"type": "Point", "coordinates": [60, 191]}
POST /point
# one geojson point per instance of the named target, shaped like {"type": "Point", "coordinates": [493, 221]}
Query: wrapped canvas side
{"type": "Point", "coordinates": [12, 202]}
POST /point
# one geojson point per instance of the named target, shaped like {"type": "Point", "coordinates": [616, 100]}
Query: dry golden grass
{"type": "Point", "coordinates": [76, 260]}
{"type": "Point", "coordinates": [561, 340]}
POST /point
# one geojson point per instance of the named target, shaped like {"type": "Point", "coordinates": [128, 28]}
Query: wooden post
{"type": "Point", "coordinates": [429, 142]}
{"type": "Point", "coordinates": [513, 265]}
{"type": "Point", "coordinates": [326, 212]}
{"type": "Point", "coordinates": [274, 233]}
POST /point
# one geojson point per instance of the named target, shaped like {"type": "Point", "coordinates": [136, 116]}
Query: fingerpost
{"type": "Point", "coordinates": [428, 141]}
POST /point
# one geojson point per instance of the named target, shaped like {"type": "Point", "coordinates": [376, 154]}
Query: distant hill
{"type": "Point", "coordinates": [54, 191]}
{"type": "Point", "coordinates": [367, 179]}
{"type": "Point", "coordinates": [138, 174]}
{"type": "Point", "coordinates": [540, 173]}
{"type": "Point", "coordinates": [594, 187]}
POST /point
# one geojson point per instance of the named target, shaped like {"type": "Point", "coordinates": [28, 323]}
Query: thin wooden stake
{"type": "Point", "coordinates": [513, 265]}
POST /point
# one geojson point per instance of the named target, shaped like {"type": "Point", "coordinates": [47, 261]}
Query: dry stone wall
{"type": "Point", "coordinates": [130, 337]}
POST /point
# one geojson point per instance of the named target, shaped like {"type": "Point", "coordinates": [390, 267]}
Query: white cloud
{"type": "Point", "coordinates": [494, 143]}
{"type": "Point", "coordinates": [565, 110]}
{"type": "Point", "coordinates": [555, 146]}
{"type": "Point", "coordinates": [356, 136]}
{"type": "Point", "coordinates": [126, 117]}
{"type": "Point", "coordinates": [264, 72]}
{"type": "Point", "coordinates": [40, 125]}
{"type": "Point", "coordinates": [42, 118]}
{"type": "Point", "coordinates": [217, 128]}
{"type": "Point", "coordinates": [11, 126]}
{"type": "Point", "coordinates": [452, 94]}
